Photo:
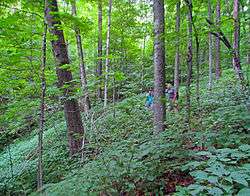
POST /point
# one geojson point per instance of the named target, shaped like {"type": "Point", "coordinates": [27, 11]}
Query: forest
{"type": "Point", "coordinates": [124, 97]}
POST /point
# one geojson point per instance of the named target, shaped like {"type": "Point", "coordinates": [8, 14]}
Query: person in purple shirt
{"type": "Point", "coordinates": [171, 94]}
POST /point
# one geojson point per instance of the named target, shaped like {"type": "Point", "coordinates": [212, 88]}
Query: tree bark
{"type": "Point", "coordinates": [42, 107]}
{"type": "Point", "coordinates": [159, 66]}
{"type": "Point", "coordinates": [142, 62]}
{"type": "Point", "coordinates": [197, 65]}
{"type": "Point", "coordinates": [64, 75]}
{"type": "Point", "coordinates": [99, 66]}
{"type": "Point", "coordinates": [210, 43]}
{"type": "Point", "coordinates": [228, 7]}
{"type": "Point", "coordinates": [189, 60]}
{"type": "Point", "coordinates": [236, 45]}
{"type": "Point", "coordinates": [142, 71]}
{"type": "Point", "coordinates": [83, 76]}
{"type": "Point", "coordinates": [177, 55]}
{"type": "Point", "coordinates": [107, 55]}
{"type": "Point", "coordinates": [217, 43]}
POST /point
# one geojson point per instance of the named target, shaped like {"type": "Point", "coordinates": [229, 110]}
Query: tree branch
{"type": "Point", "coordinates": [220, 35]}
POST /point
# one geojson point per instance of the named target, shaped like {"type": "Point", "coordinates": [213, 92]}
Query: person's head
{"type": "Point", "coordinates": [168, 85]}
{"type": "Point", "coordinates": [150, 91]}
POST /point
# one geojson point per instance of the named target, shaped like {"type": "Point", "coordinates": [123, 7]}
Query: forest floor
{"type": "Point", "coordinates": [123, 155]}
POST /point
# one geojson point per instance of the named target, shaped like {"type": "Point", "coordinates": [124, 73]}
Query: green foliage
{"type": "Point", "coordinates": [220, 171]}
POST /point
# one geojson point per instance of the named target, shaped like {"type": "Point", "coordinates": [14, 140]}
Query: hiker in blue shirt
{"type": "Point", "coordinates": [149, 99]}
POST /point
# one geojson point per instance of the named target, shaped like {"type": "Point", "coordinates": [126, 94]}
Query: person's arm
{"type": "Point", "coordinates": [175, 95]}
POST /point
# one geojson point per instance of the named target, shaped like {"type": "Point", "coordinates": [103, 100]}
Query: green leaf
{"type": "Point", "coordinates": [196, 188]}
{"type": "Point", "coordinates": [217, 169]}
{"type": "Point", "coordinates": [213, 179]}
{"type": "Point", "coordinates": [199, 174]}
{"type": "Point", "coordinates": [227, 188]}
{"type": "Point", "coordinates": [119, 76]}
{"type": "Point", "coordinates": [193, 165]}
{"type": "Point", "coordinates": [244, 147]}
{"type": "Point", "coordinates": [244, 192]}
{"type": "Point", "coordinates": [215, 191]}
{"type": "Point", "coordinates": [204, 153]}
{"type": "Point", "coordinates": [229, 179]}
{"type": "Point", "coordinates": [239, 155]}
{"type": "Point", "coordinates": [246, 166]}
{"type": "Point", "coordinates": [239, 178]}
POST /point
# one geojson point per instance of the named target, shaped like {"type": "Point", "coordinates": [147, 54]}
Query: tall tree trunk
{"type": "Point", "coordinates": [217, 43]}
{"type": "Point", "coordinates": [210, 43]}
{"type": "Point", "coordinates": [114, 93]}
{"type": "Point", "coordinates": [83, 76]}
{"type": "Point", "coordinates": [107, 55]}
{"type": "Point", "coordinates": [142, 63]}
{"type": "Point", "coordinates": [198, 70]}
{"type": "Point", "coordinates": [99, 66]}
{"type": "Point", "coordinates": [189, 60]}
{"type": "Point", "coordinates": [177, 55]}
{"type": "Point", "coordinates": [197, 42]}
{"type": "Point", "coordinates": [159, 66]}
{"type": "Point", "coordinates": [143, 49]}
{"type": "Point", "coordinates": [228, 7]}
{"type": "Point", "coordinates": [236, 45]}
{"type": "Point", "coordinates": [64, 75]}
{"type": "Point", "coordinates": [42, 107]}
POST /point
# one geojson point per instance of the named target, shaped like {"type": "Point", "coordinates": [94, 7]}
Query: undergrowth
{"type": "Point", "coordinates": [122, 155]}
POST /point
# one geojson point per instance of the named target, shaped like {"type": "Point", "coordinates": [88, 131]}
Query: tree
{"type": "Point", "coordinates": [99, 66]}
{"type": "Point", "coordinates": [83, 76]}
{"type": "Point", "coordinates": [42, 106]}
{"type": "Point", "coordinates": [177, 54]}
{"type": "Point", "coordinates": [189, 59]}
{"type": "Point", "coordinates": [210, 43]}
{"type": "Point", "coordinates": [159, 66]}
{"type": "Point", "coordinates": [236, 64]}
{"type": "Point", "coordinates": [236, 58]}
{"type": "Point", "coordinates": [107, 55]}
{"type": "Point", "coordinates": [197, 42]}
{"type": "Point", "coordinates": [217, 43]}
{"type": "Point", "coordinates": [65, 79]}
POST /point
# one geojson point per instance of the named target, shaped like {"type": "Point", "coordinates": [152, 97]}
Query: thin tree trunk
{"type": "Point", "coordinates": [114, 96]}
{"type": "Point", "coordinates": [217, 43]}
{"type": "Point", "coordinates": [198, 71]}
{"type": "Point", "coordinates": [142, 63]}
{"type": "Point", "coordinates": [210, 43]}
{"type": "Point", "coordinates": [64, 75]}
{"type": "Point", "coordinates": [143, 50]}
{"type": "Point", "coordinates": [159, 66]}
{"type": "Point", "coordinates": [42, 107]}
{"type": "Point", "coordinates": [228, 7]}
{"type": "Point", "coordinates": [197, 65]}
{"type": "Point", "coordinates": [177, 55]}
{"type": "Point", "coordinates": [107, 55]}
{"type": "Point", "coordinates": [189, 60]}
{"type": "Point", "coordinates": [236, 45]}
{"type": "Point", "coordinates": [99, 66]}
{"type": "Point", "coordinates": [83, 76]}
